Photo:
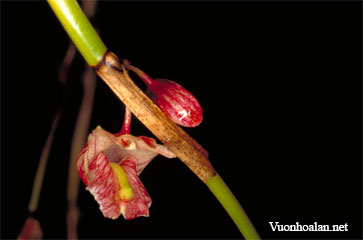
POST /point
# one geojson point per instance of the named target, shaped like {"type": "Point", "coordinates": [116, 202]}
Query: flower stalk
{"type": "Point", "coordinates": [114, 74]}
{"type": "Point", "coordinates": [127, 122]}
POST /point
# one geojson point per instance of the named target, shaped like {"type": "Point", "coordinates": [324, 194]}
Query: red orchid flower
{"type": "Point", "coordinates": [109, 165]}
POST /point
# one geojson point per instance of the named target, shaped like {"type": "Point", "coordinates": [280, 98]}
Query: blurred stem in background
{"type": "Point", "coordinates": [63, 71]}
{"type": "Point", "coordinates": [186, 148]}
{"type": "Point", "coordinates": [39, 176]}
{"type": "Point", "coordinates": [79, 135]}
{"type": "Point", "coordinates": [32, 227]}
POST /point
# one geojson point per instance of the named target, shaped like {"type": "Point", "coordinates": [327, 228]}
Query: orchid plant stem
{"type": "Point", "coordinates": [79, 29]}
{"type": "Point", "coordinates": [224, 195]}
{"type": "Point", "coordinates": [116, 77]}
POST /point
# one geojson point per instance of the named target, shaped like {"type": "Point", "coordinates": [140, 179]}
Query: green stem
{"type": "Point", "coordinates": [224, 195]}
{"type": "Point", "coordinates": [79, 29]}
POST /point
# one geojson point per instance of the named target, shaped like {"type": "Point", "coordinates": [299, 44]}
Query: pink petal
{"type": "Point", "coordinates": [80, 164]}
{"type": "Point", "coordinates": [104, 187]}
{"type": "Point", "coordinates": [98, 141]}
{"type": "Point", "coordinates": [139, 205]}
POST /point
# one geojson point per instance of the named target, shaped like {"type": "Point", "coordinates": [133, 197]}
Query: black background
{"type": "Point", "coordinates": [280, 87]}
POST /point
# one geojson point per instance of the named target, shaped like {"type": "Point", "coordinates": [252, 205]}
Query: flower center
{"type": "Point", "coordinates": [126, 192]}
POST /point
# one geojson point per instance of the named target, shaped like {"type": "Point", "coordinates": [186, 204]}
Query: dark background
{"type": "Point", "coordinates": [280, 84]}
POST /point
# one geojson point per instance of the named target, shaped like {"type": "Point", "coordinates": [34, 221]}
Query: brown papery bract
{"type": "Point", "coordinates": [185, 147]}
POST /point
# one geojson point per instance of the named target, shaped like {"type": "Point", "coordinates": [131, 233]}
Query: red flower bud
{"type": "Point", "coordinates": [172, 98]}
{"type": "Point", "coordinates": [176, 102]}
